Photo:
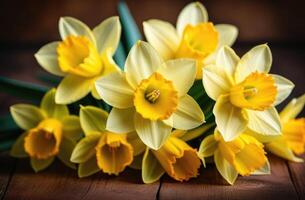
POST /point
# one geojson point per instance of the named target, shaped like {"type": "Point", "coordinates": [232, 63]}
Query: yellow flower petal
{"type": "Point", "coordinates": [179, 160]}
{"type": "Point", "coordinates": [230, 120]}
{"type": "Point", "coordinates": [17, 150]}
{"type": "Point", "coordinates": [226, 170]}
{"type": "Point", "coordinates": [88, 168]}
{"type": "Point", "coordinates": [41, 164]}
{"type": "Point", "coordinates": [156, 98]}
{"type": "Point", "coordinates": [47, 59]}
{"type": "Point", "coordinates": [64, 154]}
{"type": "Point", "coordinates": [265, 170]}
{"type": "Point", "coordinates": [92, 119]}
{"type": "Point", "coordinates": [117, 120]}
{"type": "Point", "coordinates": [71, 26]}
{"type": "Point", "coordinates": [44, 140]}
{"type": "Point", "coordinates": [193, 13]}
{"type": "Point", "coordinates": [85, 148]}
{"type": "Point", "coordinates": [257, 59]}
{"type": "Point", "coordinates": [72, 128]}
{"type": "Point", "coordinates": [26, 116]}
{"type": "Point", "coordinates": [109, 66]}
{"type": "Point", "coordinates": [151, 168]}
{"type": "Point", "coordinates": [181, 72]}
{"type": "Point", "coordinates": [294, 134]}
{"type": "Point", "coordinates": [52, 109]}
{"type": "Point", "coordinates": [294, 108]}
{"type": "Point", "coordinates": [265, 122]}
{"type": "Point", "coordinates": [194, 133]}
{"type": "Point", "coordinates": [227, 59]}
{"type": "Point", "coordinates": [136, 143]}
{"type": "Point", "coordinates": [227, 34]}
{"type": "Point", "coordinates": [107, 34]}
{"type": "Point", "coordinates": [188, 114]}
{"type": "Point", "coordinates": [141, 62]}
{"type": "Point", "coordinates": [162, 36]}
{"type": "Point", "coordinates": [113, 153]}
{"type": "Point", "coordinates": [207, 147]}
{"type": "Point", "coordinates": [280, 148]}
{"type": "Point", "coordinates": [120, 94]}
{"type": "Point", "coordinates": [216, 81]}
{"type": "Point", "coordinates": [72, 88]}
{"type": "Point", "coordinates": [284, 88]}
{"type": "Point", "coordinates": [152, 133]}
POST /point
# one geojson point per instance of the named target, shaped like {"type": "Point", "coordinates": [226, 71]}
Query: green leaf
{"type": "Point", "coordinates": [120, 55]}
{"type": "Point", "coordinates": [21, 89]}
{"type": "Point", "coordinates": [131, 32]}
{"type": "Point", "coordinates": [7, 124]}
{"type": "Point", "coordinates": [6, 145]}
{"type": "Point", "coordinates": [49, 79]}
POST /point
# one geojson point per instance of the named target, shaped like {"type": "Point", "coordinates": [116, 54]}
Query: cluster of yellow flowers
{"type": "Point", "coordinates": [153, 117]}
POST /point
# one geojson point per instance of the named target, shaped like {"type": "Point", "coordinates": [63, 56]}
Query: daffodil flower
{"type": "Point", "coordinates": [81, 57]}
{"type": "Point", "coordinates": [292, 140]}
{"type": "Point", "coordinates": [49, 132]}
{"type": "Point", "coordinates": [150, 96]}
{"type": "Point", "coordinates": [243, 155]}
{"type": "Point", "coordinates": [175, 157]}
{"type": "Point", "coordinates": [194, 37]}
{"type": "Point", "coordinates": [244, 92]}
{"type": "Point", "coordinates": [101, 150]}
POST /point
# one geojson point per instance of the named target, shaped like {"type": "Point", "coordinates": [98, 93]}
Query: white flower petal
{"type": "Point", "coordinates": [152, 133]}
{"type": "Point", "coordinates": [265, 122]}
{"type": "Point", "coordinates": [121, 120]}
{"type": "Point", "coordinates": [284, 88]}
{"type": "Point", "coordinates": [229, 119]}
{"type": "Point", "coordinates": [258, 59]}
{"type": "Point", "coordinates": [162, 36]}
{"type": "Point", "coordinates": [227, 34]}
{"type": "Point", "coordinates": [294, 108]}
{"type": "Point", "coordinates": [47, 58]}
{"type": "Point", "coordinates": [188, 114]}
{"type": "Point", "coordinates": [71, 26]}
{"type": "Point", "coordinates": [181, 72]}
{"type": "Point", "coordinates": [227, 59]}
{"type": "Point", "coordinates": [151, 168]}
{"type": "Point", "coordinates": [115, 90]}
{"type": "Point", "coordinates": [107, 34]}
{"type": "Point", "coordinates": [141, 62]}
{"type": "Point", "coordinates": [193, 13]}
{"type": "Point", "coordinates": [216, 81]}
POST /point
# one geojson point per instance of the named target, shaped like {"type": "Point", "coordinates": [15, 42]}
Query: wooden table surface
{"type": "Point", "coordinates": [34, 23]}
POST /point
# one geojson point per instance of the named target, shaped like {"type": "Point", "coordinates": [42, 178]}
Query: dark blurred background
{"type": "Point", "coordinates": [27, 25]}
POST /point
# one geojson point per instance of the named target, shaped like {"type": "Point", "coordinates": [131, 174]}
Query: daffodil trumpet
{"type": "Point", "coordinates": [101, 150]}
{"type": "Point", "coordinates": [81, 57]}
{"type": "Point", "coordinates": [50, 132]}
{"type": "Point", "coordinates": [151, 95]}
{"type": "Point", "coordinates": [194, 37]}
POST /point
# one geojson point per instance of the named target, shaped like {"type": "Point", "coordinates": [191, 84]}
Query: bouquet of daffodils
{"type": "Point", "coordinates": [167, 105]}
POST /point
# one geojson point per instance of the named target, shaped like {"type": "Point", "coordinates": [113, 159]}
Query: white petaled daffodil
{"type": "Point", "coordinates": [194, 37]}
{"type": "Point", "coordinates": [101, 150]}
{"type": "Point", "coordinates": [49, 132]}
{"type": "Point", "coordinates": [81, 57]}
{"type": "Point", "coordinates": [150, 96]}
{"type": "Point", "coordinates": [244, 92]}
{"type": "Point", "coordinates": [292, 140]}
{"type": "Point", "coordinates": [244, 155]}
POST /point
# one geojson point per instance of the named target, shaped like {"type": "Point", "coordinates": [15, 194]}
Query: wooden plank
{"type": "Point", "coordinates": [6, 169]}
{"type": "Point", "coordinates": [258, 20]}
{"type": "Point", "coordinates": [59, 182]}
{"type": "Point", "coordinates": [210, 185]}
{"type": "Point", "coordinates": [297, 172]}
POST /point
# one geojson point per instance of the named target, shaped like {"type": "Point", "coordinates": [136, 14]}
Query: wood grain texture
{"type": "Point", "coordinates": [297, 172]}
{"type": "Point", "coordinates": [59, 182]}
{"type": "Point", "coordinates": [210, 185]}
{"type": "Point", "coordinates": [7, 167]}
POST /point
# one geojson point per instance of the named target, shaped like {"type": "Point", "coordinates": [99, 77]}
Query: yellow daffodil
{"type": "Point", "coordinates": [244, 155]}
{"type": "Point", "coordinates": [49, 132]}
{"type": "Point", "coordinates": [175, 157]}
{"type": "Point", "coordinates": [194, 37]}
{"type": "Point", "coordinates": [244, 92]}
{"type": "Point", "coordinates": [150, 96]}
{"type": "Point", "coordinates": [101, 150]}
{"type": "Point", "coordinates": [81, 57]}
{"type": "Point", "coordinates": [292, 140]}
